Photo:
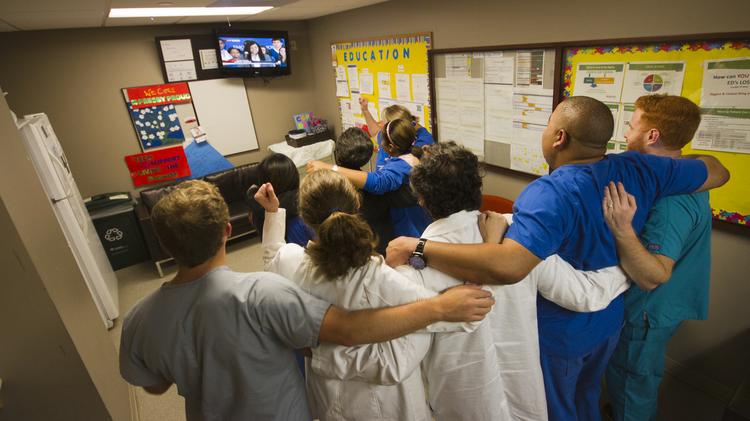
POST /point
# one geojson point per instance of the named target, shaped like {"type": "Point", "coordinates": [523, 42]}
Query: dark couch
{"type": "Point", "coordinates": [231, 183]}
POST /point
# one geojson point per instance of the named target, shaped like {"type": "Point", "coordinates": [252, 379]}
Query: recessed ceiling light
{"type": "Point", "coordinates": [138, 12]}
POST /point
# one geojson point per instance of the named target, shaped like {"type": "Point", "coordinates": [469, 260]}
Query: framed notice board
{"type": "Point", "coordinates": [496, 101]}
{"type": "Point", "coordinates": [188, 57]}
{"type": "Point", "coordinates": [386, 70]}
{"type": "Point", "coordinates": [712, 71]}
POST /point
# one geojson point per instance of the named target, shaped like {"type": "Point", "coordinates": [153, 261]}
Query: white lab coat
{"type": "Point", "coordinates": [513, 319]}
{"type": "Point", "coordinates": [394, 363]}
{"type": "Point", "coordinates": [512, 324]}
{"type": "Point", "coordinates": [461, 371]}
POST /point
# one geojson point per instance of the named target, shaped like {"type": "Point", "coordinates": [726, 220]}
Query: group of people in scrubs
{"type": "Point", "coordinates": [468, 315]}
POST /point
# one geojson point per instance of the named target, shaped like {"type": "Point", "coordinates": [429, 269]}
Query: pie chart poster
{"type": "Point", "coordinates": [652, 78]}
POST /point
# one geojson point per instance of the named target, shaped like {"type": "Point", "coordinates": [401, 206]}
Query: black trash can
{"type": "Point", "coordinates": [114, 218]}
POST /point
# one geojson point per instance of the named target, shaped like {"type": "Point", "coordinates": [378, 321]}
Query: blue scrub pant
{"type": "Point", "coordinates": [636, 370]}
{"type": "Point", "coordinates": [572, 385]}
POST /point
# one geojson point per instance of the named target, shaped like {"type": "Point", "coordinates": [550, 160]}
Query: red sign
{"type": "Point", "coordinates": [169, 93]}
{"type": "Point", "coordinates": [158, 166]}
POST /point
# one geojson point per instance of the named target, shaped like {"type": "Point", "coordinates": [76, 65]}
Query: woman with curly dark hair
{"type": "Point", "coordinates": [448, 183]}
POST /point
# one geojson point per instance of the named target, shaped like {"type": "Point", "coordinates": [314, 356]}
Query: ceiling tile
{"type": "Point", "coordinates": [28, 21]}
{"type": "Point", "coordinates": [12, 6]}
{"type": "Point", "coordinates": [141, 21]}
{"type": "Point", "coordinates": [58, 14]}
{"type": "Point", "coordinates": [309, 9]}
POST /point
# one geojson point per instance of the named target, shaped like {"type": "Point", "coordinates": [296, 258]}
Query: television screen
{"type": "Point", "coordinates": [253, 53]}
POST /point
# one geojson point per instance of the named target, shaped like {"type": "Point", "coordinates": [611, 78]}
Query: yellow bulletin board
{"type": "Point", "coordinates": [713, 74]}
{"type": "Point", "coordinates": [386, 70]}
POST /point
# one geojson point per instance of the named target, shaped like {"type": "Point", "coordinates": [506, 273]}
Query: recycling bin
{"type": "Point", "coordinates": [116, 224]}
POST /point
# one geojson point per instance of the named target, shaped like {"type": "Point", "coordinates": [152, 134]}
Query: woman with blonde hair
{"type": "Point", "coordinates": [341, 267]}
{"type": "Point", "coordinates": [390, 113]}
{"type": "Point", "coordinates": [399, 141]}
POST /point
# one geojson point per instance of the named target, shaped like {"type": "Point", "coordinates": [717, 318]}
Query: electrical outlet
{"type": "Point", "coordinates": [293, 44]}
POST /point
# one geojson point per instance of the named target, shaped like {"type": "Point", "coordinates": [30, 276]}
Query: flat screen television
{"type": "Point", "coordinates": [250, 53]}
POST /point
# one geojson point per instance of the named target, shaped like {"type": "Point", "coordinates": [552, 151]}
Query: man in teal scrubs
{"type": "Point", "coordinates": [670, 263]}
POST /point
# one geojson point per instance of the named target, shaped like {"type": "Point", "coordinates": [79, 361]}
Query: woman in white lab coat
{"type": "Point", "coordinates": [340, 266]}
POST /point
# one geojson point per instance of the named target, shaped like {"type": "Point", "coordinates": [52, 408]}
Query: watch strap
{"type": "Point", "coordinates": [420, 246]}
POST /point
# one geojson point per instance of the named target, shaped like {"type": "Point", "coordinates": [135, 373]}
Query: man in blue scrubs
{"type": "Point", "coordinates": [561, 214]}
{"type": "Point", "coordinates": [670, 263]}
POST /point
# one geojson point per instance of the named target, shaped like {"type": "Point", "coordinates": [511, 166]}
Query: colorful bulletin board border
{"type": "Point", "coordinates": [638, 52]}
{"type": "Point", "coordinates": [158, 166]}
{"type": "Point", "coordinates": [386, 70]}
{"type": "Point", "coordinates": [730, 203]}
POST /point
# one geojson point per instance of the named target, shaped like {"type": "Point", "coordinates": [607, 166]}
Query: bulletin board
{"type": "Point", "coordinates": [188, 57]}
{"type": "Point", "coordinates": [386, 70]}
{"type": "Point", "coordinates": [714, 74]}
{"type": "Point", "coordinates": [162, 115]}
{"type": "Point", "coordinates": [216, 111]}
{"type": "Point", "coordinates": [496, 101]}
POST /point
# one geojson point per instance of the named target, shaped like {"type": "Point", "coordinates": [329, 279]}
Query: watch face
{"type": "Point", "coordinates": [417, 262]}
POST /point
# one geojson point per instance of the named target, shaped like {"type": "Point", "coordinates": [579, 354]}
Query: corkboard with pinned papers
{"type": "Point", "coordinates": [496, 101]}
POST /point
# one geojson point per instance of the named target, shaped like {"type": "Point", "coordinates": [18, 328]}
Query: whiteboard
{"type": "Point", "coordinates": [223, 111]}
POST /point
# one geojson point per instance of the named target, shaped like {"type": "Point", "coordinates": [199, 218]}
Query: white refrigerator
{"type": "Point", "coordinates": [51, 166]}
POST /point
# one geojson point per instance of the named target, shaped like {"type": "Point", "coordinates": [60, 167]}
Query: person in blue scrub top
{"type": "Point", "coordinates": [561, 214]}
{"type": "Point", "coordinates": [393, 112]}
{"type": "Point", "coordinates": [670, 263]}
{"type": "Point", "coordinates": [407, 217]}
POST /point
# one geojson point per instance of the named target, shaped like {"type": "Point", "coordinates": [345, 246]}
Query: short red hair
{"type": "Point", "coordinates": [675, 117]}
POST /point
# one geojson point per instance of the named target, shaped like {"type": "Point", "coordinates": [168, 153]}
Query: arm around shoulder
{"type": "Point", "coordinates": [466, 303]}
{"type": "Point", "coordinates": [500, 264]}
{"type": "Point", "coordinates": [575, 290]}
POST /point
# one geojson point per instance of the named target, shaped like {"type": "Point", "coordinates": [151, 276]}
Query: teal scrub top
{"type": "Point", "coordinates": [678, 227]}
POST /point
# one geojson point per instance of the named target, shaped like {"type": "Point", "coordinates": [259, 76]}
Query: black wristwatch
{"type": "Point", "coordinates": [417, 259]}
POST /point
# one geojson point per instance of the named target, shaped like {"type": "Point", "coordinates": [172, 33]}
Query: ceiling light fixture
{"type": "Point", "coordinates": [158, 12]}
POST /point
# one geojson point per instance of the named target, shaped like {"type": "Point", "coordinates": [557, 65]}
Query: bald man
{"type": "Point", "coordinates": [561, 214]}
